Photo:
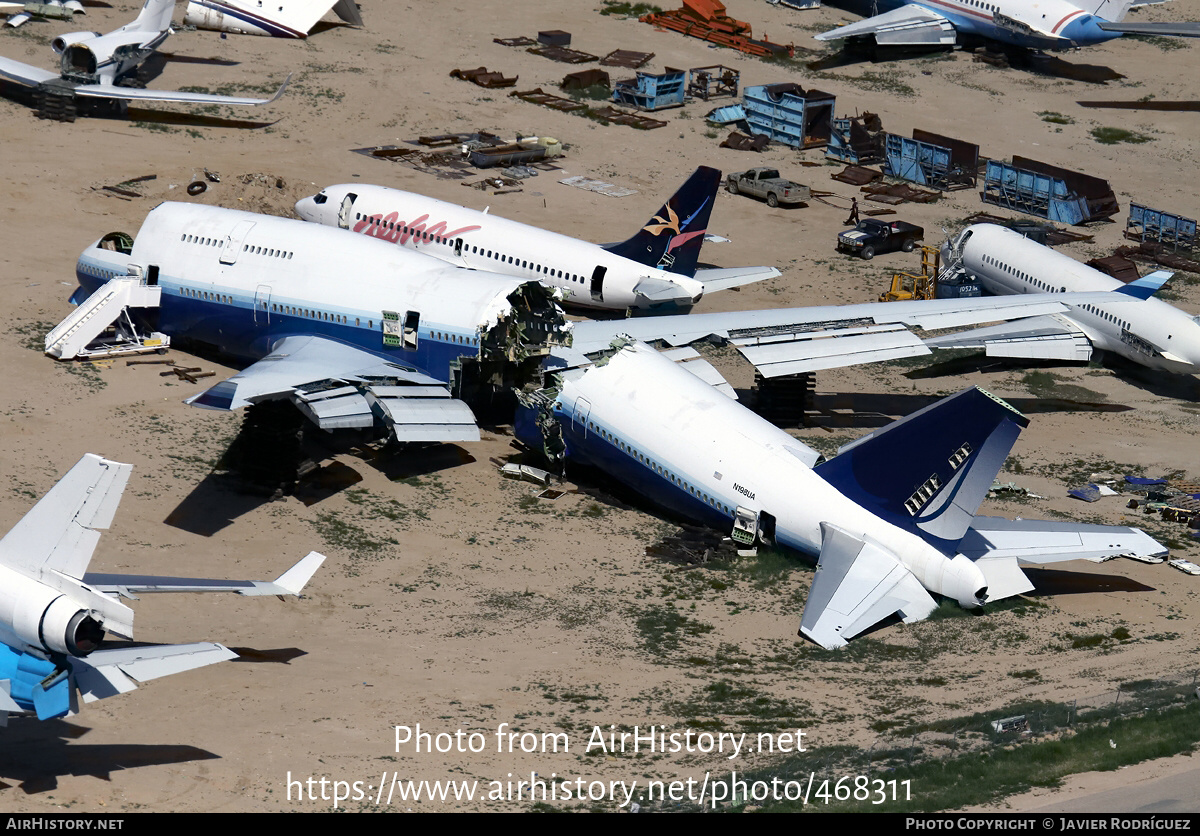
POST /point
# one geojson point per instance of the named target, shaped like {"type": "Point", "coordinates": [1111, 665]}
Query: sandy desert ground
{"type": "Point", "coordinates": [451, 600]}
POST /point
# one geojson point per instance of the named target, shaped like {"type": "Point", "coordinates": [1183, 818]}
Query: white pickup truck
{"type": "Point", "coordinates": [768, 185]}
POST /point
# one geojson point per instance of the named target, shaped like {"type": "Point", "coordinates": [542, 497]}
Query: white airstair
{"type": "Point", "coordinates": [101, 325]}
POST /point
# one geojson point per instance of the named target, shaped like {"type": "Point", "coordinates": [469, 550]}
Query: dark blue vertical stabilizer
{"type": "Point", "coordinates": [928, 473]}
{"type": "Point", "coordinates": [671, 239]}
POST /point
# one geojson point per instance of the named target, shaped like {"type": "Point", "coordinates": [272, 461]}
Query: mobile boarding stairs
{"type": "Point", "coordinates": [101, 326]}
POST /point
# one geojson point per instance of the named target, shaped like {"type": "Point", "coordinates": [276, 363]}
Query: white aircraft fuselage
{"type": "Point", "coordinates": [1150, 332]}
{"type": "Point", "coordinates": [694, 451]}
{"type": "Point", "coordinates": [1032, 24]}
{"type": "Point", "coordinates": [240, 282]}
{"type": "Point", "coordinates": [588, 275]}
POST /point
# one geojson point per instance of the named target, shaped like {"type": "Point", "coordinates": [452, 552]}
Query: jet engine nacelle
{"type": "Point", "coordinates": [44, 618]}
{"type": "Point", "coordinates": [60, 44]}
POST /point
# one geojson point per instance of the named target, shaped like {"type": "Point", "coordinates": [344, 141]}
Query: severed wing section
{"type": "Point", "coordinates": [60, 533]}
{"type": "Point", "coordinates": [340, 387]}
{"type": "Point", "coordinates": [1050, 337]}
{"type": "Point", "coordinates": [23, 73]}
{"type": "Point", "coordinates": [909, 25]}
{"type": "Point", "coordinates": [112, 91]}
{"type": "Point", "coordinates": [106, 673]}
{"type": "Point", "coordinates": [857, 585]}
{"type": "Point", "coordinates": [792, 340]}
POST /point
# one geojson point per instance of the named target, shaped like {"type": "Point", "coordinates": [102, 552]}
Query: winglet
{"type": "Point", "coordinates": [290, 582]}
{"type": "Point", "coordinates": [1146, 286]}
{"type": "Point", "coordinates": [279, 92]}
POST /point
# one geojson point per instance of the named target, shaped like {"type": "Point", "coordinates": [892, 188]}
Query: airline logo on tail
{"type": "Point", "coordinates": [658, 225]}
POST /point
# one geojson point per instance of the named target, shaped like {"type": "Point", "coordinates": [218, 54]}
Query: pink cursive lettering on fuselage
{"type": "Point", "coordinates": [390, 228]}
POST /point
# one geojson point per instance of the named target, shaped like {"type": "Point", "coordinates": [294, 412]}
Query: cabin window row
{"type": "Point", "coordinates": [405, 230]}
{"type": "Point", "coordinates": [659, 469]}
{"type": "Point", "coordinates": [527, 265]}
{"type": "Point", "coordinates": [1022, 275]}
{"type": "Point", "coordinates": [101, 273]}
{"type": "Point", "coordinates": [246, 248]}
{"type": "Point", "coordinates": [1106, 315]}
{"type": "Point", "coordinates": [206, 295]}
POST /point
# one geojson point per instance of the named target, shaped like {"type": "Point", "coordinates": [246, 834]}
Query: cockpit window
{"type": "Point", "coordinates": [320, 198]}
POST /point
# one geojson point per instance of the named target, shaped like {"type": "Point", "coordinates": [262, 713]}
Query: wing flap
{"type": "Point", "coordinates": [1049, 337]}
{"type": "Point", "coordinates": [690, 359]}
{"type": "Point", "coordinates": [106, 673]}
{"type": "Point", "coordinates": [858, 584]}
{"type": "Point", "coordinates": [806, 352]}
{"type": "Point", "coordinates": [910, 24]}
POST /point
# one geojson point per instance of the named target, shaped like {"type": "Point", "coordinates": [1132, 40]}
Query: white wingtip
{"type": "Point", "coordinates": [294, 580]}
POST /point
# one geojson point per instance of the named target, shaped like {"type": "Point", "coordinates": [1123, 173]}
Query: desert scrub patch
{"type": "Point", "coordinates": [1113, 136]}
{"type": "Point", "coordinates": [1051, 385]}
{"type": "Point", "coordinates": [662, 628]}
{"type": "Point", "coordinates": [611, 7]}
{"type": "Point", "coordinates": [1055, 118]}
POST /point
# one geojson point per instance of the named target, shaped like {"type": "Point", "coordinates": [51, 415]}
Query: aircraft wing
{"type": "Point", "coordinates": [60, 533]}
{"type": "Point", "coordinates": [858, 584]}
{"type": "Point", "coordinates": [1050, 337]}
{"type": "Point", "coordinates": [909, 24]}
{"type": "Point", "coordinates": [112, 91]}
{"type": "Point", "coordinates": [290, 582]}
{"type": "Point", "coordinates": [105, 673]}
{"type": "Point", "coordinates": [792, 340]}
{"type": "Point", "coordinates": [998, 547]}
{"type": "Point", "coordinates": [1179, 30]}
{"type": "Point", "coordinates": [337, 386]}
{"type": "Point", "coordinates": [23, 73]}
{"type": "Point", "coordinates": [723, 278]}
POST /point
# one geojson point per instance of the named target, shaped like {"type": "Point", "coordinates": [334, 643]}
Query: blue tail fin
{"type": "Point", "coordinates": [671, 239]}
{"type": "Point", "coordinates": [1147, 285]}
{"type": "Point", "coordinates": [928, 472]}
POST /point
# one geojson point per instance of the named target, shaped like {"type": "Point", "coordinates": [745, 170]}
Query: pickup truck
{"type": "Point", "coordinates": [767, 184]}
{"type": "Point", "coordinates": [875, 236]}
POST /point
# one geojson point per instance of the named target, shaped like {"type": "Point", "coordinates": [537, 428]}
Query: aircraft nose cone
{"type": "Point", "coordinates": [1084, 30]}
{"type": "Point", "coordinates": [306, 208]}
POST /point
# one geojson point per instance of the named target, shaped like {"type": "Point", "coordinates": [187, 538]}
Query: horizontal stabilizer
{"type": "Point", "coordinates": [661, 291]}
{"type": "Point", "coordinates": [723, 278]}
{"type": "Point", "coordinates": [908, 25]}
{"type": "Point", "coordinates": [112, 91]}
{"type": "Point", "coordinates": [928, 472]}
{"type": "Point", "coordinates": [1146, 286]}
{"type": "Point", "coordinates": [1050, 541]}
{"type": "Point", "coordinates": [106, 673]}
{"type": "Point", "coordinates": [290, 582]}
{"type": "Point", "coordinates": [857, 585]}
{"type": "Point", "coordinates": [60, 532]}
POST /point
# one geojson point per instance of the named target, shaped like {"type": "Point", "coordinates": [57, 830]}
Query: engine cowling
{"type": "Point", "coordinates": [46, 619]}
{"type": "Point", "coordinates": [60, 43]}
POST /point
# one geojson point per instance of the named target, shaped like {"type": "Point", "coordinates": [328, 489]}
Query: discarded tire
{"type": "Point", "coordinates": [198, 187]}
